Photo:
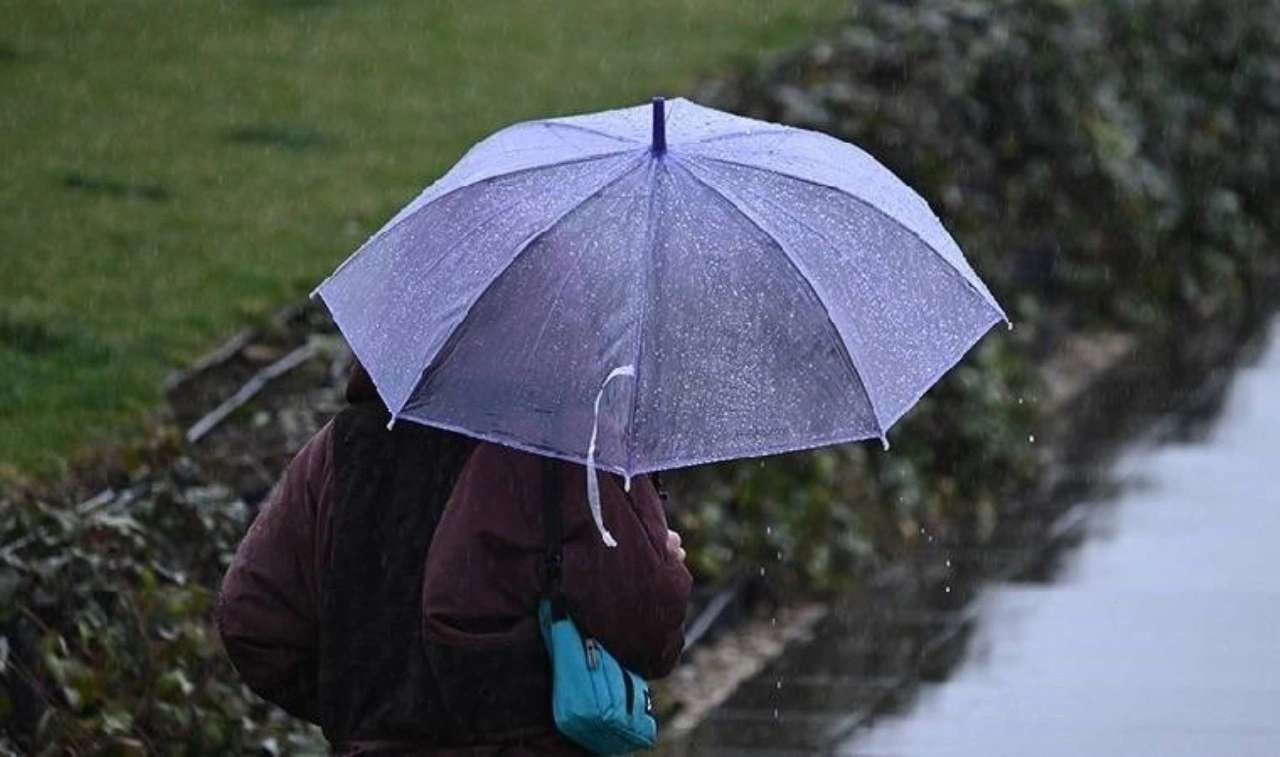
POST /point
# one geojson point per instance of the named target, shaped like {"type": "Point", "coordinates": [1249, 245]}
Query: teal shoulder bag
{"type": "Point", "coordinates": [595, 701]}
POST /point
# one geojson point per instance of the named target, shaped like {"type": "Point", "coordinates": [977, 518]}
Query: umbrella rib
{"type": "Point", "coordinates": [874, 208]}
{"type": "Point", "coordinates": [476, 225]}
{"type": "Point", "coordinates": [518, 172]}
{"type": "Point", "coordinates": [597, 132]}
{"type": "Point", "coordinates": [380, 233]}
{"type": "Point", "coordinates": [804, 278]}
{"type": "Point", "coordinates": [734, 135]}
{"type": "Point", "coordinates": [651, 237]}
{"type": "Point", "coordinates": [831, 245]}
{"type": "Point", "coordinates": [520, 250]}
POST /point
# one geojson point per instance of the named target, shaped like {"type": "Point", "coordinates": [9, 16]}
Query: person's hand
{"type": "Point", "coordinates": [673, 546]}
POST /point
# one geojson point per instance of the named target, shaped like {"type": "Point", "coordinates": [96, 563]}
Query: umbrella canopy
{"type": "Point", "coordinates": [657, 287]}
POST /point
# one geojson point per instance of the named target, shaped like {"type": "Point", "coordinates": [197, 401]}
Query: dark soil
{"type": "Point", "coordinates": [248, 450]}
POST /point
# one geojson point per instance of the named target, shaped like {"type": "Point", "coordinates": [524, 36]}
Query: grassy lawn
{"type": "Point", "coordinates": [174, 170]}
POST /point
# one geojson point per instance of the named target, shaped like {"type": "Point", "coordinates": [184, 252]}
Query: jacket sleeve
{"type": "Point", "coordinates": [633, 597]}
{"type": "Point", "coordinates": [268, 609]}
{"type": "Point", "coordinates": [485, 567]}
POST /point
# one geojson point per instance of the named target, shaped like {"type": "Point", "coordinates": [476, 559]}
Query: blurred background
{"type": "Point", "coordinates": [178, 177]}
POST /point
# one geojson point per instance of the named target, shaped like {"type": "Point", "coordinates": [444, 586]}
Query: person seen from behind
{"type": "Point", "coordinates": [387, 590]}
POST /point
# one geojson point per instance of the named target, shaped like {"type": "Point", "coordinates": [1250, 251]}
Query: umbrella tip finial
{"type": "Point", "coordinates": [659, 126]}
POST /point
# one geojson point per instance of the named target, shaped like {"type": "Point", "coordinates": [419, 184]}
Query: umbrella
{"type": "Point", "coordinates": [657, 287]}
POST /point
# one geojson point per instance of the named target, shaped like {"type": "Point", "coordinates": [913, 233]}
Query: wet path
{"type": "Point", "coordinates": [1145, 624]}
{"type": "Point", "coordinates": [1160, 635]}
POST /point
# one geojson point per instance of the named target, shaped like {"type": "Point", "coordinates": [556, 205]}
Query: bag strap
{"type": "Point", "coordinates": [551, 519]}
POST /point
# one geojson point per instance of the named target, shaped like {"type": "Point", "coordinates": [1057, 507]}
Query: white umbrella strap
{"type": "Point", "coordinates": [593, 483]}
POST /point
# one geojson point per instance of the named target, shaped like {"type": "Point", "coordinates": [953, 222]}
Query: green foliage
{"type": "Point", "coordinates": [799, 516]}
{"type": "Point", "coordinates": [1110, 158]}
{"type": "Point", "coordinates": [105, 626]}
{"type": "Point", "coordinates": [1103, 163]}
{"type": "Point", "coordinates": [819, 521]}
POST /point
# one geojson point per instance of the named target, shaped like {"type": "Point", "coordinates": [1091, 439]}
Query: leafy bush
{"type": "Point", "coordinates": [818, 521]}
{"type": "Point", "coordinates": [1104, 163]}
{"type": "Point", "coordinates": [106, 639]}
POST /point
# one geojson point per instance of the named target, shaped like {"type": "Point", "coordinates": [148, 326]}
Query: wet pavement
{"type": "Point", "coordinates": [1146, 623]}
{"type": "Point", "coordinates": [1160, 635]}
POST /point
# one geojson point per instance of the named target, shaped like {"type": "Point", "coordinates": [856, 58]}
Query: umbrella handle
{"type": "Point", "coordinates": [593, 482]}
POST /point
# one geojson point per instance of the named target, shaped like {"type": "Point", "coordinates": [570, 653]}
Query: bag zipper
{"type": "Point", "coordinates": [631, 691]}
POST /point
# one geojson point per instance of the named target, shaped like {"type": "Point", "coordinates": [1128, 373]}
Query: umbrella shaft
{"type": "Point", "coordinates": [659, 126]}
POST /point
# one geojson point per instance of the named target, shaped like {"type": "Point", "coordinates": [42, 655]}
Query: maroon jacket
{"type": "Point", "coordinates": [483, 575]}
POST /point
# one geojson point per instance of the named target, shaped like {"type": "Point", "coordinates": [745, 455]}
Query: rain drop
{"type": "Point", "coordinates": [1032, 438]}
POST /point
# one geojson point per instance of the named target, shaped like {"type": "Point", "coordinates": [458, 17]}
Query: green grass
{"type": "Point", "coordinates": [174, 170]}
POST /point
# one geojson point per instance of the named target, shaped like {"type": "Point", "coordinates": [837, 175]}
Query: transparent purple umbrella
{"type": "Point", "coordinates": [658, 287]}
